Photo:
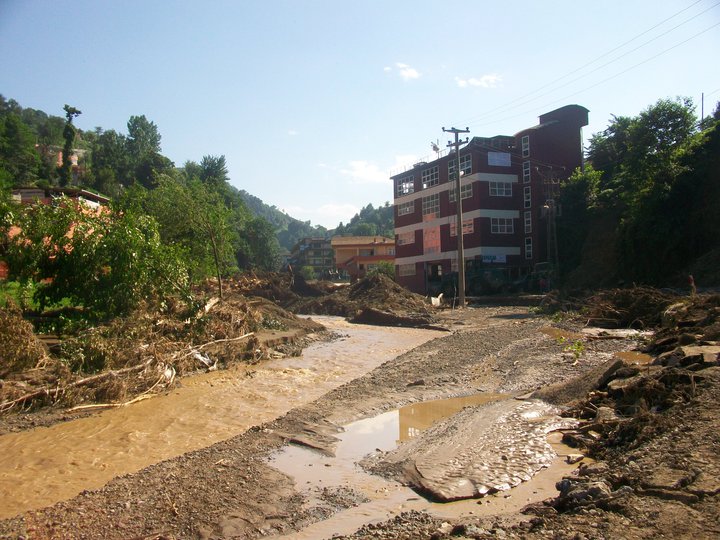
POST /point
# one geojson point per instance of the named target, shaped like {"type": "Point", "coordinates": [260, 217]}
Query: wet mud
{"type": "Point", "coordinates": [229, 490]}
{"type": "Point", "coordinates": [88, 452]}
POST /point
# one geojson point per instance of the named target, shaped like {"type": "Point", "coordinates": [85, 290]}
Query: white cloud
{"type": "Point", "coordinates": [328, 215]}
{"type": "Point", "coordinates": [292, 132]}
{"type": "Point", "coordinates": [490, 80]}
{"type": "Point", "coordinates": [407, 72]}
{"type": "Point", "coordinates": [337, 212]}
{"type": "Point", "coordinates": [363, 172]}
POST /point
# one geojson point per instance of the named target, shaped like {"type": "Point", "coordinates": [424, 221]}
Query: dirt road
{"type": "Point", "coordinates": [229, 490]}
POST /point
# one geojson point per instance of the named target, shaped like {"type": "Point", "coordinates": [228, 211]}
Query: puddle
{"type": "Point", "coordinates": [413, 419]}
{"type": "Point", "coordinates": [314, 472]}
{"type": "Point", "coordinates": [46, 465]}
{"type": "Point", "coordinates": [561, 334]}
{"type": "Point", "coordinates": [634, 357]}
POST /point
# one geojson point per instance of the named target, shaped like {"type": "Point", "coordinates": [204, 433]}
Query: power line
{"type": "Point", "coordinates": [616, 59]}
{"type": "Point", "coordinates": [510, 104]}
{"type": "Point", "coordinates": [525, 113]}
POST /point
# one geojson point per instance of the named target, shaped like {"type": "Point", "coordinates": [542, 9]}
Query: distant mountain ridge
{"type": "Point", "coordinates": [370, 221]}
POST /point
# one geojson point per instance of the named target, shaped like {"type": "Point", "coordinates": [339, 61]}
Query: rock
{"type": "Point", "coordinates": [620, 386]}
{"type": "Point", "coordinates": [595, 469]}
{"type": "Point", "coordinates": [625, 372]}
{"type": "Point", "coordinates": [574, 458]}
{"type": "Point", "coordinates": [579, 491]}
{"type": "Point", "coordinates": [605, 414]}
{"type": "Point", "coordinates": [564, 392]}
{"type": "Point", "coordinates": [686, 339]}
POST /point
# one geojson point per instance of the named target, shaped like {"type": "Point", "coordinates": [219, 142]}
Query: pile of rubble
{"type": "Point", "coordinates": [652, 428]}
{"type": "Point", "coordinates": [375, 299]}
{"type": "Point", "coordinates": [135, 356]}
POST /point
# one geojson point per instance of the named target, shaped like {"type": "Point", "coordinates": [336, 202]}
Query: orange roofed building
{"type": "Point", "coordinates": [355, 255]}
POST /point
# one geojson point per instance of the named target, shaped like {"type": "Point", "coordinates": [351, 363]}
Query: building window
{"type": "Point", "coordinates": [468, 226]}
{"type": "Point", "coordinates": [406, 269]}
{"type": "Point", "coordinates": [431, 240]}
{"type": "Point", "coordinates": [499, 159]}
{"type": "Point", "coordinates": [526, 146]}
{"type": "Point", "coordinates": [405, 185]}
{"type": "Point", "coordinates": [500, 189]}
{"type": "Point", "coordinates": [406, 238]}
{"type": "Point", "coordinates": [406, 208]}
{"type": "Point", "coordinates": [528, 222]}
{"type": "Point", "coordinates": [431, 205]}
{"type": "Point", "coordinates": [526, 172]}
{"type": "Point", "coordinates": [527, 197]}
{"type": "Point", "coordinates": [501, 226]}
{"type": "Point", "coordinates": [453, 264]}
{"type": "Point", "coordinates": [430, 177]}
{"type": "Point", "coordinates": [465, 166]}
{"type": "Point", "coordinates": [465, 192]}
{"type": "Point", "coordinates": [528, 247]}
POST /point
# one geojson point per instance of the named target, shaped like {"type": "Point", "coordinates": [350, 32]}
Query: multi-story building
{"type": "Point", "coordinates": [316, 253]}
{"type": "Point", "coordinates": [355, 255]}
{"type": "Point", "coordinates": [508, 190]}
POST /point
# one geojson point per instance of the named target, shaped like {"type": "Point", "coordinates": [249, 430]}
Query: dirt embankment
{"type": "Point", "coordinates": [652, 428]}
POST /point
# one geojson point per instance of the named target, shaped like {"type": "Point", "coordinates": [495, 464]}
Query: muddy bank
{"type": "Point", "coordinates": [228, 489]}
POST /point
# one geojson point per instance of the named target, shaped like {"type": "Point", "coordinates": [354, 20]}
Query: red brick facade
{"type": "Point", "coordinates": [507, 183]}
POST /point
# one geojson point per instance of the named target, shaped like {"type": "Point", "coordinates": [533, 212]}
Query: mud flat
{"type": "Point", "coordinates": [230, 490]}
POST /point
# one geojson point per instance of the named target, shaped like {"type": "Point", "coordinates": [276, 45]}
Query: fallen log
{"type": "Point", "coordinates": [43, 392]}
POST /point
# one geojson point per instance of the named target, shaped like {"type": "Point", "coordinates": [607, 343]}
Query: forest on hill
{"type": "Point", "coordinates": [166, 228]}
{"type": "Point", "coordinates": [645, 208]}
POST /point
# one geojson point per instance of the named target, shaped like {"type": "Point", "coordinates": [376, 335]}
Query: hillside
{"type": "Point", "coordinates": [288, 229]}
{"type": "Point", "coordinates": [370, 221]}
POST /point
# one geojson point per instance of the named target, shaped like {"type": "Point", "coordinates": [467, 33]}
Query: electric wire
{"type": "Point", "coordinates": [511, 104]}
{"type": "Point", "coordinates": [603, 81]}
{"type": "Point", "coordinates": [551, 83]}
{"type": "Point", "coordinates": [568, 83]}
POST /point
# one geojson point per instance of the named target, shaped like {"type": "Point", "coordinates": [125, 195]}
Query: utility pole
{"type": "Point", "coordinates": [458, 202]}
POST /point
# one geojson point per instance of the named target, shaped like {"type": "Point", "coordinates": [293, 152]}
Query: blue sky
{"type": "Point", "coordinates": [315, 103]}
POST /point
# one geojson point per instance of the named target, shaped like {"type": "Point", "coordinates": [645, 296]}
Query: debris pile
{"type": "Point", "coordinates": [19, 347]}
{"type": "Point", "coordinates": [652, 426]}
{"type": "Point", "coordinates": [136, 356]}
{"type": "Point", "coordinates": [375, 299]}
{"type": "Point", "coordinates": [637, 307]}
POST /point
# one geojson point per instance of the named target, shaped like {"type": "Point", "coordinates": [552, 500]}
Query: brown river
{"type": "Point", "coordinates": [46, 465]}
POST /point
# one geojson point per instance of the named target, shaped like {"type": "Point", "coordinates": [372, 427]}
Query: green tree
{"type": "Point", "coordinates": [143, 151]}
{"type": "Point", "coordinates": [386, 268]}
{"type": "Point", "coordinates": [195, 218]}
{"type": "Point", "coordinates": [69, 133]}
{"type": "Point", "coordinates": [110, 160]}
{"type": "Point", "coordinates": [105, 261]}
{"type": "Point", "coordinates": [213, 171]}
{"type": "Point", "coordinates": [19, 161]}
{"type": "Point", "coordinates": [143, 137]}
{"type": "Point", "coordinates": [263, 246]}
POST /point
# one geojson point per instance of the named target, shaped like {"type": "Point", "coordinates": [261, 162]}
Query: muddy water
{"type": "Point", "coordinates": [314, 472]}
{"type": "Point", "coordinates": [634, 357]}
{"type": "Point", "coordinates": [47, 465]}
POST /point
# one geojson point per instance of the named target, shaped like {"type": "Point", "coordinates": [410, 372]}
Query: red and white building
{"type": "Point", "coordinates": [508, 187]}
